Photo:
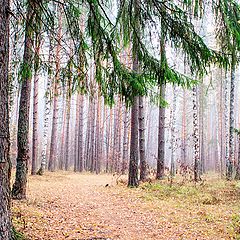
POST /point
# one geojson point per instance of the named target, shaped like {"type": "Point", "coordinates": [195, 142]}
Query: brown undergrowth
{"type": "Point", "coordinates": [83, 206]}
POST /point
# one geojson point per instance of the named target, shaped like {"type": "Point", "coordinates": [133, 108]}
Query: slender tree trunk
{"type": "Point", "coordinates": [98, 135]}
{"type": "Point", "coordinates": [196, 136]}
{"type": "Point", "coordinates": [88, 135]}
{"type": "Point", "coordinates": [116, 134]}
{"type": "Point", "coordinates": [92, 139]}
{"type": "Point", "coordinates": [220, 137]}
{"type": "Point", "coordinates": [5, 163]}
{"type": "Point", "coordinates": [201, 113]}
{"type": "Point", "coordinates": [173, 136]}
{"type": "Point", "coordinates": [35, 104]}
{"type": "Point", "coordinates": [20, 184]}
{"type": "Point", "coordinates": [80, 135]}
{"type": "Point", "coordinates": [119, 154]}
{"type": "Point", "coordinates": [184, 130]}
{"type": "Point", "coordinates": [68, 115]}
{"type": "Point", "coordinates": [109, 141]}
{"type": "Point", "coordinates": [62, 157]}
{"type": "Point", "coordinates": [133, 164]}
{"type": "Point", "coordinates": [125, 140]}
{"type": "Point", "coordinates": [237, 177]}
{"type": "Point", "coordinates": [230, 162]}
{"type": "Point", "coordinates": [141, 118]}
{"type": "Point", "coordinates": [47, 108]}
{"type": "Point", "coordinates": [161, 125]}
{"type": "Point", "coordinates": [161, 137]}
{"type": "Point", "coordinates": [226, 123]}
{"type": "Point", "coordinates": [53, 146]}
{"type": "Point", "coordinates": [102, 134]}
{"type": "Point", "coordinates": [76, 132]}
{"type": "Point", "coordinates": [149, 133]}
{"type": "Point", "coordinates": [134, 147]}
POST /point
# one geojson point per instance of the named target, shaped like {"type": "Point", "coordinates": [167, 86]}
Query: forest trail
{"type": "Point", "coordinates": [80, 206]}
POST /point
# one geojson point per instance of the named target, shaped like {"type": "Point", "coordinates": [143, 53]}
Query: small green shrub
{"type": "Point", "coordinates": [17, 235]}
{"type": "Point", "coordinates": [235, 225]}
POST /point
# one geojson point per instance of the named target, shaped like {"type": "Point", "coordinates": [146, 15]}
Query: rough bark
{"type": "Point", "coordinates": [161, 137]}
{"type": "Point", "coordinates": [5, 163]}
{"type": "Point", "coordinates": [161, 125]}
{"type": "Point", "coordinates": [142, 151]}
{"type": "Point", "coordinates": [133, 163]}
{"type": "Point", "coordinates": [134, 148]}
{"type": "Point", "coordinates": [20, 184]}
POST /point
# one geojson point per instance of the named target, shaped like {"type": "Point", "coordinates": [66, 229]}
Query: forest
{"type": "Point", "coordinates": [119, 119]}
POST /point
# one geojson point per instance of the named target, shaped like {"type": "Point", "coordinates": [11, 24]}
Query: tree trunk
{"type": "Point", "coordinates": [62, 157]}
{"type": "Point", "coordinates": [226, 122]}
{"type": "Point", "coordinates": [161, 125]}
{"type": "Point", "coordinates": [53, 145]}
{"type": "Point", "coordinates": [68, 114]}
{"type": "Point", "coordinates": [173, 135]}
{"type": "Point", "coordinates": [237, 177]}
{"type": "Point", "coordinates": [125, 140]}
{"type": "Point", "coordinates": [201, 113]}
{"type": "Point", "coordinates": [184, 131]}
{"type": "Point", "coordinates": [109, 141]}
{"type": "Point", "coordinates": [161, 137]}
{"type": "Point", "coordinates": [116, 136]}
{"type": "Point", "coordinates": [133, 164]}
{"type": "Point", "coordinates": [88, 135]}
{"type": "Point", "coordinates": [76, 132]}
{"type": "Point", "coordinates": [196, 136]}
{"type": "Point", "coordinates": [220, 122]}
{"type": "Point", "coordinates": [80, 135]}
{"type": "Point", "coordinates": [230, 162]}
{"type": "Point", "coordinates": [5, 163]}
{"type": "Point", "coordinates": [47, 110]}
{"type": "Point", "coordinates": [35, 103]}
{"type": "Point", "coordinates": [92, 137]}
{"type": "Point", "coordinates": [141, 118]}
{"type": "Point", "coordinates": [20, 184]}
{"type": "Point", "coordinates": [98, 134]}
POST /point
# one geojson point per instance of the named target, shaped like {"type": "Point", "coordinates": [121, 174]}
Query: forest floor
{"type": "Point", "coordinates": [66, 205]}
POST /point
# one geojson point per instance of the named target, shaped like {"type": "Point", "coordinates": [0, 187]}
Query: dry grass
{"type": "Point", "coordinates": [78, 206]}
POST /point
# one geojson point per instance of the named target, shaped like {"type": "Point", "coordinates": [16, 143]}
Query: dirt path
{"type": "Point", "coordinates": [74, 206]}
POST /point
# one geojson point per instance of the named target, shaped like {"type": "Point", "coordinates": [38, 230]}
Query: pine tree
{"type": "Point", "coordinates": [53, 146]}
{"type": "Point", "coordinates": [161, 117]}
{"type": "Point", "coordinates": [5, 163]}
{"type": "Point", "coordinates": [20, 184]}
